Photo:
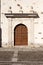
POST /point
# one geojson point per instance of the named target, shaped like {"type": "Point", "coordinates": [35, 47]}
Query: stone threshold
{"type": "Point", "coordinates": [21, 48]}
{"type": "Point", "coordinates": [21, 62]}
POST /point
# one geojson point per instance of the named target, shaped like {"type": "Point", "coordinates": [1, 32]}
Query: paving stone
{"type": "Point", "coordinates": [6, 55]}
{"type": "Point", "coordinates": [17, 55]}
{"type": "Point", "coordinates": [30, 56]}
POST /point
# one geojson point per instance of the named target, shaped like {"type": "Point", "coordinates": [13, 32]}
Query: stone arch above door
{"type": "Point", "coordinates": [20, 35]}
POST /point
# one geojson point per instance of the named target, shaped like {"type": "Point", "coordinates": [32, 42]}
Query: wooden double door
{"type": "Point", "coordinates": [20, 35]}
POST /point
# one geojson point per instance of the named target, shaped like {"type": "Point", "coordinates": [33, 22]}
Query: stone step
{"type": "Point", "coordinates": [17, 56]}
{"type": "Point", "coordinates": [21, 55]}
{"type": "Point", "coordinates": [30, 55]}
{"type": "Point", "coordinates": [7, 55]}
{"type": "Point", "coordinates": [14, 59]}
{"type": "Point", "coordinates": [22, 63]}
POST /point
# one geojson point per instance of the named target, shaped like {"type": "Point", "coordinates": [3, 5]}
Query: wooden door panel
{"type": "Point", "coordinates": [21, 35]}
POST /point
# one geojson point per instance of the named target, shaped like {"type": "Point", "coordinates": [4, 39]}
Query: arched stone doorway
{"type": "Point", "coordinates": [20, 35]}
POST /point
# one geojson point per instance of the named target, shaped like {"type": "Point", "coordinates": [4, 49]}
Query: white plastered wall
{"type": "Point", "coordinates": [30, 23]}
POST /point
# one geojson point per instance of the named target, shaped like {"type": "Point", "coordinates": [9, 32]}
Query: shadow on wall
{"type": "Point", "coordinates": [0, 37]}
